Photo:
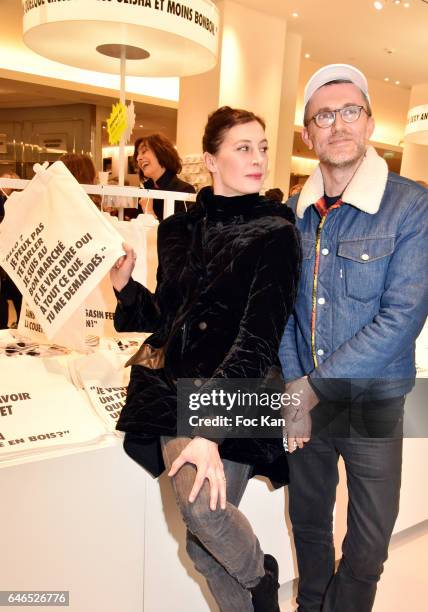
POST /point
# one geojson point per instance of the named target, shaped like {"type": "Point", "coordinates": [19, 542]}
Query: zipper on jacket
{"type": "Point", "coordinates": [324, 211]}
{"type": "Point", "coordinates": [315, 287]}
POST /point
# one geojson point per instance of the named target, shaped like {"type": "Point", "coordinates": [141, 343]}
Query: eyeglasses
{"type": "Point", "coordinates": [348, 114]}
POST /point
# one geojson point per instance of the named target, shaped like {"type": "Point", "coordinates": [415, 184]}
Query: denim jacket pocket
{"type": "Point", "coordinates": [308, 247]}
{"type": "Point", "coordinates": [364, 262]}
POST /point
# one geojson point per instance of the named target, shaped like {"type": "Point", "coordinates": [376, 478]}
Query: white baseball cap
{"type": "Point", "coordinates": [335, 72]}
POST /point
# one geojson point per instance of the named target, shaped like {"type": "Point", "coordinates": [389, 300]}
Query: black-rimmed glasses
{"type": "Point", "coordinates": [348, 114]}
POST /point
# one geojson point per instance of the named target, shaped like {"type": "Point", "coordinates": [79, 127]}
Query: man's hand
{"type": "Point", "coordinates": [298, 419]}
{"type": "Point", "coordinates": [123, 268]}
{"type": "Point", "coordinates": [205, 456]}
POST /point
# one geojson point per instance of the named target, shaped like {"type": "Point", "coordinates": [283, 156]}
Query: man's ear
{"type": "Point", "coordinates": [210, 162]}
{"type": "Point", "coordinates": [370, 127]}
{"type": "Point", "coordinates": [307, 139]}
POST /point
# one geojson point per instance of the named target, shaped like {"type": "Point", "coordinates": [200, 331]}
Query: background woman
{"type": "Point", "coordinates": [82, 168]}
{"type": "Point", "coordinates": [158, 165]}
{"type": "Point", "coordinates": [227, 277]}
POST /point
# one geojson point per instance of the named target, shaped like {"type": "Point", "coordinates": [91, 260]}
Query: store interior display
{"type": "Point", "coordinates": [42, 409]}
{"type": "Point", "coordinates": [82, 370]}
{"type": "Point", "coordinates": [69, 487]}
{"type": "Point", "coordinates": [195, 172]}
{"type": "Point", "coordinates": [65, 399]}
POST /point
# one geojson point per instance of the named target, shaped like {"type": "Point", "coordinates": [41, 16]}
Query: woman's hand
{"type": "Point", "coordinates": [205, 456]}
{"type": "Point", "coordinates": [122, 269]}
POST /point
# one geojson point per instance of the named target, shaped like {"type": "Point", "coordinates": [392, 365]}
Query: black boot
{"type": "Point", "coordinates": [265, 593]}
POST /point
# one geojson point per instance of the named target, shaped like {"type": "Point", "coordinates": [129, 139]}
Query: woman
{"type": "Point", "coordinates": [158, 165]}
{"type": "Point", "coordinates": [227, 277]}
{"type": "Point", "coordinates": [81, 167]}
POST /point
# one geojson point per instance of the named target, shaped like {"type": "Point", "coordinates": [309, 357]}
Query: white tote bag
{"type": "Point", "coordinates": [55, 245]}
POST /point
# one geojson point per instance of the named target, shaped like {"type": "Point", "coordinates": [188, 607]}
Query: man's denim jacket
{"type": "Point", "coordinates": [363, 296]}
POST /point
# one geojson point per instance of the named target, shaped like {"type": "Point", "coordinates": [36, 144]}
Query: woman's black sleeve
{"type": "Point", "coordinates": [138, 309]}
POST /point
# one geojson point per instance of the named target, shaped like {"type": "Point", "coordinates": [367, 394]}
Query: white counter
{"type": "Point", "coordinates": [96, 524]}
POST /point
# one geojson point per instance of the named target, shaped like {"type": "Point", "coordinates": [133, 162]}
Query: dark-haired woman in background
{"type": "Point", "coordinates": [227, 279]}
{"type": "Point", "coordinates": [158, 165]}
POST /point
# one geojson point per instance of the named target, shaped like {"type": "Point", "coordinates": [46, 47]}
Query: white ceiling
{"type": "Point", "coordinates": [332, 31]}
{"type": "Point", "coordinates": [352, 31]}
{"type": "Point", "coordinates": [23, 93]}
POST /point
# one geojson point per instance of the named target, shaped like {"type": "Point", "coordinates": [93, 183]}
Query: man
{"type": "Point", "coordinates": [349, 346]}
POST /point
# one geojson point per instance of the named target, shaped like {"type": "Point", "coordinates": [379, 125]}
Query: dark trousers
{"type": "Point", "coordinates": [373, 470]}
{"type": "Point", "coordinates": [221, 543]}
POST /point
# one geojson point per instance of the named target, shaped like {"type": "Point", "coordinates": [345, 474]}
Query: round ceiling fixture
{"type": "Point", "coordinates": [166, 38]}
{"type": "Point", "coordinates": [130, 52]}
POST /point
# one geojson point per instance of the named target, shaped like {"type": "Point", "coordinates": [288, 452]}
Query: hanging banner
{"type": "Point", "coordinates": [55, 245]}
{"type": "Point", "coordinates": [416, 130]}
{"type": "Point", "coordinates": [163, 37]}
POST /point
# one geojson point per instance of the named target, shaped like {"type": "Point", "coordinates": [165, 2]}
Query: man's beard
{"type": "Point", "coordinates": [343, 159]}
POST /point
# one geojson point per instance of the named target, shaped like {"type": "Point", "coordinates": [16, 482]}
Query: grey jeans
{"type": "Point", "coordinates": [221, 543]}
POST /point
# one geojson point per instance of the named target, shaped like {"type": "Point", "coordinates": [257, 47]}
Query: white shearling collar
{"type": "Point", "coordinates": [365, 191]}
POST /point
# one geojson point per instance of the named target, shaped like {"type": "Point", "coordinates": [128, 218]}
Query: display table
{"type": "Point", "coordinates": [85, 518]}
{"type": "Point", "coordinates": [94, 523]}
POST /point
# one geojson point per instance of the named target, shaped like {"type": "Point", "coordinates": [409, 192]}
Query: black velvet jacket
{"type": "Point", "coordinates": [227, 280]}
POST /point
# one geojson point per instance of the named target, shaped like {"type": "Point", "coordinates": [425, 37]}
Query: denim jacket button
{"type": "Point", "coordinates": [321, 301]}
{"type": "Point", "coordinates": [320, 352]}
{"type": "Point", "coordinates": [325, 251]}
{"type": "Point", "coordinates": [365, 257]}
